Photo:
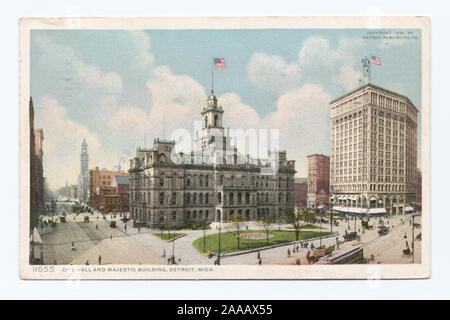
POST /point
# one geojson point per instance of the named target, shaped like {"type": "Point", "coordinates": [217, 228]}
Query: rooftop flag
{"type": "Point", "coordinates": [219, 63]}
{"type": "Point", "coordinates": [376, 60]}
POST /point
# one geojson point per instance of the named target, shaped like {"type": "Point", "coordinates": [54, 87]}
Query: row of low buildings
{"type": "Point", "coordinates": [102, 189]}
{"type": "Point", "coordinates": [109, 190]}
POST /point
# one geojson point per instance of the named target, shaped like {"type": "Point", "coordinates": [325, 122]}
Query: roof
{"type": "Point", "coordinates": [122, 179]}
{"type": "Point", "coordinates": [301, 180]}
{"type": "Point", "coordinates": [371, 85]}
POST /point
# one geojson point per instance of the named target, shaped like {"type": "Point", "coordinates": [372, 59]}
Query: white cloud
{"type": "Point", "coordinates": [62, 141]}
{"type": "Point", "coordinates": [237, 114]}
{"type": "Point", "coordinates": [302, 117]}
{"type": "Point", "coordinates": [316, 51]}
{"type": "Point", "coordinates": [94, 78]}
{"type": "Point", "coordinates": [348, 78]}
{"type": "Point", "coordinates": [177, 100]}
{"type": "Point", "coordinates": [318, 62]}
{"type": "Point", "coordinates": [142, 42]}
{"type": "Point", "coordinates": [272, 72]}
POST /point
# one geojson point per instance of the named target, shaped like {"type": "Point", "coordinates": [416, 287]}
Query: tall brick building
{"type": "Point", "coordinates": [318, 180]}
{"type": "Point", "coordinates": [36, 170]}
{"type": "Point", "coordinates": [300, 192]}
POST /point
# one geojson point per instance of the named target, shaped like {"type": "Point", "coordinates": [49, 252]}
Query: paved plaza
{"type": "Point", "coordinates": [79, 242]}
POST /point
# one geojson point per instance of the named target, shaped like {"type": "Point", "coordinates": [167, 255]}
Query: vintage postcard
{"type": "Point", "coordinates": [225, 148]}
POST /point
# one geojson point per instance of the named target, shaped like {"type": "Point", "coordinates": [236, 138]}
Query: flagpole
{"type": "Point", "coordinates": [212, 73]}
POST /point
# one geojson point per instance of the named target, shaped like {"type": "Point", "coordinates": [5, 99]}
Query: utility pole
{"type": "Point", "coordinates": [320, 228]}
{"type": "Point", "coordinates": [412, 242]}
{"type": "Point", "coordinates": [218, 256]}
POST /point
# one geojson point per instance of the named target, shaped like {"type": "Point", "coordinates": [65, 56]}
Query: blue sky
{"type": "Point", "coordinates": [111, 86]}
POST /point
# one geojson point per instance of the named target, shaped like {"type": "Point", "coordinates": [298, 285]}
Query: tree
{"type": "Point", "coordinates": [295, 219]}
{"type": "Point", "coordinates": [204, 225]}
{"type": "Point", "coordinates": [237, 222]}
{"type": "Point", "coordinates": [309, 216]}
{"type": "Point", "coordinates": [267, 221]}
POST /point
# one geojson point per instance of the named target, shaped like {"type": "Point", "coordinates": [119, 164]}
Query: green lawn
{"type": "Point", "coordinates": [165, 235]}
{"type": "Point", "coordinates": [228, 240]}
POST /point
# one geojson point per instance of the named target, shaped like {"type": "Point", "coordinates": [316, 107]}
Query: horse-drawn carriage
{"type": "Point", "coordinates": [351, 236]}
{"type": "Point", "coordinates": [365, 224]}
{"type": "Point", "coordinates": [382, 230]}
{"type": "Point", "coordinates": [318, 253]}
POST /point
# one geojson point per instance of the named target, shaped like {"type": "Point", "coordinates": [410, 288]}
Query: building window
{"type": "Point", "coordinates": [161, 198]}
{"type": "Point", "coordinates": [174, 198]}
{"type": "Point", "coordinates": [219, 197]}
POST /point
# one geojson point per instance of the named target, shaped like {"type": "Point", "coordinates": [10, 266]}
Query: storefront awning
{"type": "Point", "coordinates": [377, 211]}
{"type": "Point", "coordinates": [409, 209]}
{"type": "Point", "coordinates": [35, 237]}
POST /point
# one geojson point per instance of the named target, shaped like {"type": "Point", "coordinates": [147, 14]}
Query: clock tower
{"type": "Point", "coordinates": [212, 114]}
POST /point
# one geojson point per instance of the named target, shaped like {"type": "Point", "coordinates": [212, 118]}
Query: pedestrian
{"type": "Point", "coordinates": [297, 261]}
{"type": "Point", "coordinates": [259, 254]}
{"type": "Point", "coordinates": [164, 253]}
{"type": "Point", "coordinates": [99, 259]}
{"type": "Point", "coordinates": [297, 248]}
{"type": "Point", "coordinates": [260, 261]}
{"type": "Point", "coordinates": [87, 262]}
{"type": "Point", "coordinates": [405, 236]}
{"type": "Point", "coordinates": [288, 253]}
{"type": "Point", "coordinates": [110, 237]}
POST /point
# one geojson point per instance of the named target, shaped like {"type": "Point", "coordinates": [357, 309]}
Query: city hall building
{"type": "Point", "coordinates": [210, 183]}
{"type": "Point", "coordinates": [373, 167]}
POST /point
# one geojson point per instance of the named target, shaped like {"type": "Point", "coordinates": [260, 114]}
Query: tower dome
{"type": "Point", "coordinates": [212, 100]}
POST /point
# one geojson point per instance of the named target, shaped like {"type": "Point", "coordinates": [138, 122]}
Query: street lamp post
{"type": "Point", "coordinates": [331, 218]}
{"type": "Point", "coordinates": [218, 256]}
{"type": "Point", "coordinates": [173, 251]}
{"type": "Point", "coordinates": [320, 244]}
{"type": "Point", "coordinates": [412, 242]}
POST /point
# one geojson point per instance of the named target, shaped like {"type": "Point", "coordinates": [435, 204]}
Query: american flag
{"type": "Point", "coordinates": [219, 63]}
{"type": "Point", "coordinates": [376, 60]}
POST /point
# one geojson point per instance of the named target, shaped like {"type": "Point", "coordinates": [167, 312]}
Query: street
{"type": "Point", "coordinates": [130, 245]}
{"type": "Point", "coordinates": [113, 245]}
